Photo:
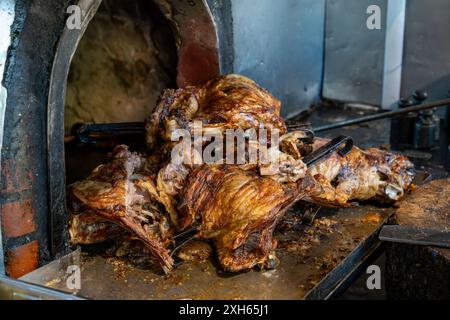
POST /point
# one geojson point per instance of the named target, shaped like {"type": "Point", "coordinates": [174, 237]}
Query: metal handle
{"type": "Point", "coordinates": [84, 132]}
{"type": "Point", "coordinates": [332, 146]}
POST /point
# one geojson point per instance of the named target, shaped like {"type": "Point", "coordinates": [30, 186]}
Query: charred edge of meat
{"type": "Point", "coordinates": [90, 228]}
{"type": "Point", "coordinates": [123, 193]}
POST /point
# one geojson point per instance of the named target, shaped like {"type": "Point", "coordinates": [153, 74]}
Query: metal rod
{"type": "Point", "coordinates": [113, 127]}
{"type": "Point", "coordinates": [83, 131]}
{"type": "Point", "coordinates": [378, 116]}
{"type": "Point", "coordinates": [325, 150]}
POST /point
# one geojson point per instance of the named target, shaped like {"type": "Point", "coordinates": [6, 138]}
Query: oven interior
{"type": "Point", "coordinates": [126, 57]}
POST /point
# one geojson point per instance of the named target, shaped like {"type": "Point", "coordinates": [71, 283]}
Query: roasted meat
{"type": "Point", "coordinates": [237, 206]}
{"type": "Point", "coordinates": [283, 163]}
{"type": "Point", "coordinates": [124, 193]}
{"type": "Point", "coordinates": [228, 102]}
{"type": "Point", "coordinates": [371, 174]}
{"type": "Point", "coordinates": [195, 251]}
{"type": "Point", "coordinates": [239, 210]}
{"type": "Point", "coordinates": [90, 228]}
{"type": "Point", "coordinates": [296, 143]}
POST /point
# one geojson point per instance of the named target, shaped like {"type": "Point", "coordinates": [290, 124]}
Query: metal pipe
{"type": "Point", "coordinates": [378, 116]}
{"type": "Point", "coordinates": [83, 131]}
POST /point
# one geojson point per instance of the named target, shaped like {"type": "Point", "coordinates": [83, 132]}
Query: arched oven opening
{"type": "Point", "coordinates": [126, 57]}
{"type": "Point", "coordinates": [120, 60]}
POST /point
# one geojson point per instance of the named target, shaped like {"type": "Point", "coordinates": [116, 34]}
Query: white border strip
{"type": "Point", "coordinates": [393, 54]}
{"type": "Point", "coordinates": [7, 8]}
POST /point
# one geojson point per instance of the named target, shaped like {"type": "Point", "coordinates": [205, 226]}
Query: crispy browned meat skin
{"type": "Point", "coordinates": [123, 192]}
{"type": "Point", "coordinates": [360, 175]}
{"type": "Point", "coordinates": [89, 228]}
{"type": "Point", "coordinates": [291, 144]}
{"type": "Point", "coordinates": [239, 210]}
{"type": "Point", "coordinates": [230, 101]}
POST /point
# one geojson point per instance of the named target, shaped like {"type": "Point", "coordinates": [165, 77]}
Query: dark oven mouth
{"type": "Point", "coordinates": [126, 57]}
{"type": "Point", "coordinates": [113, 70]}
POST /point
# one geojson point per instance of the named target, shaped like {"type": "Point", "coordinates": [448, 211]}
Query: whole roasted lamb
{"type": "Point", "coordinates": [236, 205]}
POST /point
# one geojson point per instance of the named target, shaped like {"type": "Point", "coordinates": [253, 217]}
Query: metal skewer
{"type": "Point", "coordinates": [378, 116]}
{"type": "Point", "coordinates": [327, 149]}
{"type": "Point", "coordinates": [87, 133]}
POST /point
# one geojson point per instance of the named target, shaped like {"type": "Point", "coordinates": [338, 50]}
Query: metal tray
{"type": "Point", "coordinates": [316, 262]}
{"type": "Point", "coordinates": [316, 272]}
